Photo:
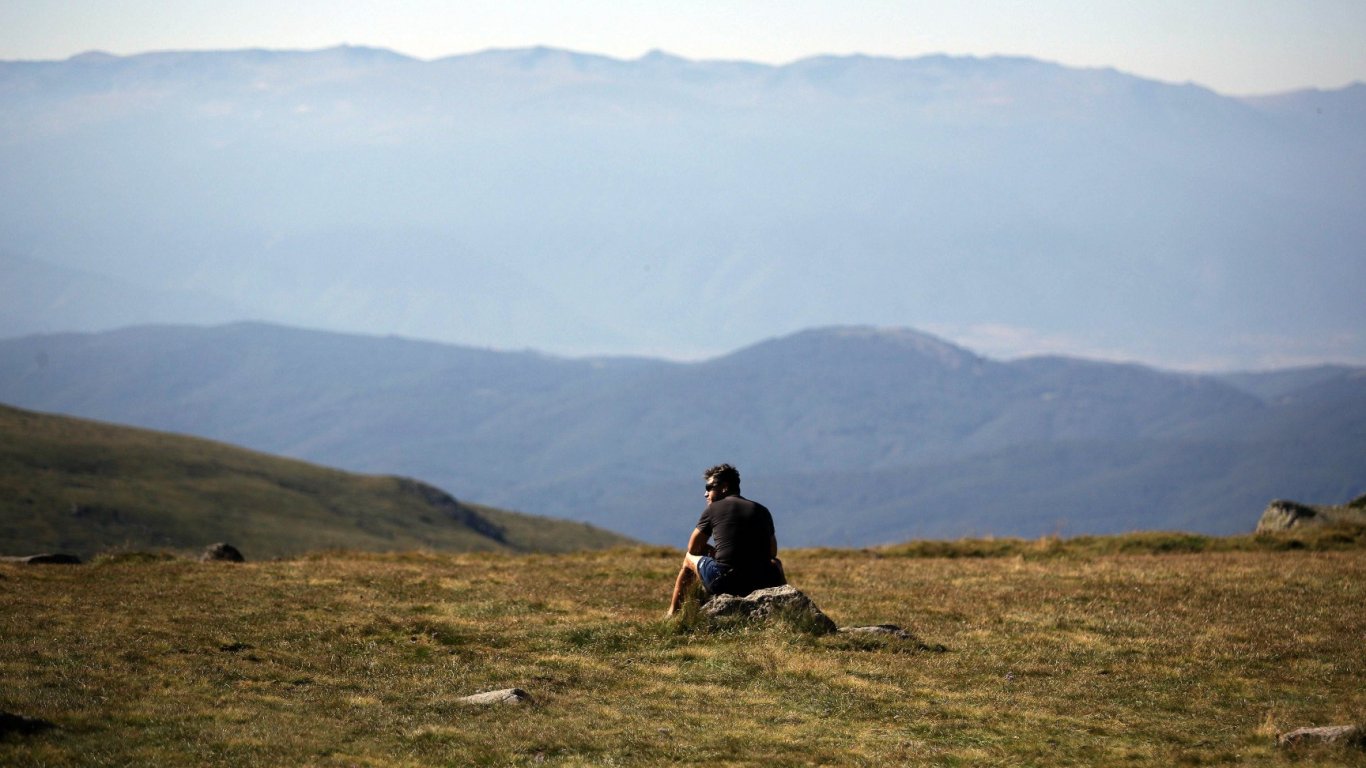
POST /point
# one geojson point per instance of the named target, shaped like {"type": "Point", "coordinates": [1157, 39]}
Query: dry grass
{"type": "Point", "coordinates": [342, 660]}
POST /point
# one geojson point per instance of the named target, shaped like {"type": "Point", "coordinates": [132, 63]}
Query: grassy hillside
{"type": "Point", "coordinates": [79, 486]}
{"type": "Point", "coordinates": [1078, 658]}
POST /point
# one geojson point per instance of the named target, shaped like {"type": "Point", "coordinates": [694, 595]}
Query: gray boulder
{"type": "Point", "coordinates": [785, 602]}
{"type": "Point", "coordinates": [1282, 515]}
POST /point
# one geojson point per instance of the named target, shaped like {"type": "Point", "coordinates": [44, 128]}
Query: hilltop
{"type": "Point", "coordinates": [83, 487]}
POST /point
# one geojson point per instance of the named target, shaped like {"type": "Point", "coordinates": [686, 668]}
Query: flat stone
{"type": "Point", "coordinates": [880, 629]}
{"type": "Point", "coordinates": [1332, 734]}
{"type": "Point", "coordinates": [505, 696]}
{"type": "Point", "coordinates": [44, 559]}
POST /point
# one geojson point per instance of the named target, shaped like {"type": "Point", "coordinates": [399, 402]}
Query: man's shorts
{"type": "Point", "coordinates": [711, 572]}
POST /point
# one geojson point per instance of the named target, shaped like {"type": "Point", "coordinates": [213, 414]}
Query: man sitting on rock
{"type": "Point", "coordinates": [745, 555]}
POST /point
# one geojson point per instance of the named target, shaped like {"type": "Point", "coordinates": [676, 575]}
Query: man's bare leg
{"type": "Point", "coordinates": [687, 576]}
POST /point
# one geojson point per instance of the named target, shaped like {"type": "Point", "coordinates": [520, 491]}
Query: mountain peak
{"type": "Point", "coordinates": [834, 343]}
{"type": "Point", "coordinates": [891, 334]}
{"type": "Point", "coordinates": [657, 56]}
{"type": "Point", "coordinates": [93, 57]}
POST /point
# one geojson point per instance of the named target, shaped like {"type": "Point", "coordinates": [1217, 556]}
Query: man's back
{"type": "Point", "coordinates": [742, 531]}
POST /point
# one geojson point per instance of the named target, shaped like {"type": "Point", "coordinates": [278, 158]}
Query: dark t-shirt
{"type": "Point", "coordinates": [741, 531]}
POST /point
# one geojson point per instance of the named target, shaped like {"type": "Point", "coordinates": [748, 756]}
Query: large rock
{"type": "Point", "coordinates": [1282, 515]}
{"type": "Point", "coordinates": [785, 602]}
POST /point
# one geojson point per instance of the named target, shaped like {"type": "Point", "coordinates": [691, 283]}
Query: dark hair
{"type": "Point", "coordinates": [724, 474]}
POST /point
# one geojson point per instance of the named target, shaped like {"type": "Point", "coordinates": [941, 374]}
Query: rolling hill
{"type": "Point", "coordinates": [852, 435]}
{"type": "Point", "coordinates": [82, 487]}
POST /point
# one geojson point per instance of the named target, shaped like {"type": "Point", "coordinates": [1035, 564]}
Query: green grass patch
{"type": "Point", "coordinates": [83, 487]}
{"type": "Point", "coordinates": [1336, 537]}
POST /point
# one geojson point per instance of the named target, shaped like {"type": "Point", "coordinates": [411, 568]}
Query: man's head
{"type": "Point", "coordinates": [722, 480]}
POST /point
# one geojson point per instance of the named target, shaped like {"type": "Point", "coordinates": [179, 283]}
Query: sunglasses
{"type": "Point", "coordinates": [711, 486]}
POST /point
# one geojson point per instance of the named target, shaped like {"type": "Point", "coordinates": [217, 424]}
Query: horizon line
{"type": "Point", "coordinates": [660, 53]}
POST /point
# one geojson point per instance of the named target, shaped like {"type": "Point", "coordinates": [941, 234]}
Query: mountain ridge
{"type": "Point", "coordinates": [945, 442]}
{"type": "Point", "coordinates": [543, 52]}
{"type": "Point", "coordinates": [636, 206]}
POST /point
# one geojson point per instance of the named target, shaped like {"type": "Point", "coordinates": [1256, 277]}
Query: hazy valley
{"type": "Point", "coordinates": [579, 204]}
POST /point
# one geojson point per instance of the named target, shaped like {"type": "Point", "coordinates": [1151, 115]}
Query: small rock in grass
{"type": "Point", "coordinates": [505, 696]}
{"type": "Point", "coordinates": [223, 553]}
{"type": "Point", "coordinates": [892, 630]}
{"type": "Point", "coordinates": [1351, 735]}
{"type": "Point", "coordinates": [880, 629]}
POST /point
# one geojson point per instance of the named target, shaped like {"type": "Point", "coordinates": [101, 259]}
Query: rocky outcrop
{"type": "Point", "coordinates": [1284, 515]}
{"type": "Point", "coordinates": [221, 553]}
{"type": "Point", "coordinates": [447, 505]}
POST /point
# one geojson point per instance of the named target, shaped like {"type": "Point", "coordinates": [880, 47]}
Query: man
{"type": "Point", "coordinates": [745, 556]}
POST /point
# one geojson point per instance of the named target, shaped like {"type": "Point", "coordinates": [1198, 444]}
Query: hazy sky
{"type": "Point", "coordinates": [1232, 46]}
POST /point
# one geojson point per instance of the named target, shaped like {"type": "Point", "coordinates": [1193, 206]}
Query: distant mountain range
{"type": "Point", "coordinates": [852, 435]}
{"type": "Point", "coordinates": [581, 204]}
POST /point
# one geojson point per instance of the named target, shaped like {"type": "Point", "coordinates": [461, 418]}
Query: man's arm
{"type": "Point", "coordinates": [697, 543]}
{"type": "Point", "coordinates": [772, 546]}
